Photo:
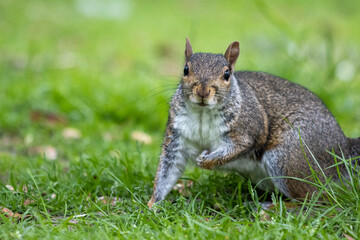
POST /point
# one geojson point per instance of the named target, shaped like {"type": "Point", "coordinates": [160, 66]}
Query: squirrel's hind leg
{"type": "Point", "coordinates": [284, 164]}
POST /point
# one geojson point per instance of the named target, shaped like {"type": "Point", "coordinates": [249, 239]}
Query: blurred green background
{"type": "Point", "coordinates": [84, 92]}
{"type": "Point", "coordinates": [108, 68]}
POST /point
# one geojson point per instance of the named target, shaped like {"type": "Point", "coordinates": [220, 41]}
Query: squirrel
{"type": "Point", "coordinates": [253, 123]}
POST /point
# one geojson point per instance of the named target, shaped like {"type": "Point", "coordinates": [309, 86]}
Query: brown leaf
{"type": "Point", "coordinates": [108, 200]}
{"type": "Point", "coordinates": [8, 213]}
{"type": "Point", "coordinates": [28, 201]}
{"type": "Point", "coordinates": [180, 187]}
{"type": "Point", "coordinates": [264, 216]}
{"type": "Point", "coordinates": [348, 237]}
{"type": "Point", "coordinates": [141, 137]}
{"type": "Point", "coordinates": [47, 118]}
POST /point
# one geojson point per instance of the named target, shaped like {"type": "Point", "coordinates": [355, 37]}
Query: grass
{"type": "Point", "coordinates": [106, 73]}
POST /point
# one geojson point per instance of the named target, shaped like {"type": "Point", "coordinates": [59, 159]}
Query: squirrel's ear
{"type": "Point", "coordinates": [188, 49]}
{"type": "Point", "coordinates": [232, 54]}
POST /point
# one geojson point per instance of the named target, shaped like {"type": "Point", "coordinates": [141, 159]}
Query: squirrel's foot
{"type": "Point", "coordinates": [204, 161]}
{"type": "Point", "coordinates": [151, 202]}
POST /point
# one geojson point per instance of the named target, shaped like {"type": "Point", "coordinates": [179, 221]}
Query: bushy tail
{"type": "Point", "coordinates": [355, 147]}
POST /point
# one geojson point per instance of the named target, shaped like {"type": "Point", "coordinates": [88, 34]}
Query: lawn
{"type": "Point", "coordinates": [84, 92]}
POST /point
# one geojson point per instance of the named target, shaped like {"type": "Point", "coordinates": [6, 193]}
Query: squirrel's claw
{"type": "Point", "coordinates": [203, 160]}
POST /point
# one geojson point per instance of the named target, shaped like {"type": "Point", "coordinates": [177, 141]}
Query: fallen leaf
{"type": "Point", "coordinates": [180, 187]}
{"type": "Point", "coordinates": [47, 118]}
{"type": "Point", "coordinates": [348, 237]}
{"type": "Point", "coordinates": [141, 137]}
{"type": "Point", "coordinates": [264, 216]}
{"type": "Point", "coordinates": [108, 200]}
{"type": "Point", "coordinates": [74, 221]}
{"type": "Point", "coordinates": [11, 188]}
{"type": "Point", "coordinates": [114, 201]}
{"type": "Point", "coordinates": [8, 213]}
{"type": "Point", "coordinates": [49, 152]}
{"type": "Point", "coordinates": [71, 133]}
{"type": "Point", "coordinates": [101, 199]}
{"type": "Point", "coordinates": [28, 201]}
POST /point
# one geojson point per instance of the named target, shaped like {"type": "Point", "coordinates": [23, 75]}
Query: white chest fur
{"type": "Point", "coordinates": [200, 129]}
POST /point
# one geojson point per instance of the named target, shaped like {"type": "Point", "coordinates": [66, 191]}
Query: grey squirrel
{"type": "Point", "coordinates": [248, 122]}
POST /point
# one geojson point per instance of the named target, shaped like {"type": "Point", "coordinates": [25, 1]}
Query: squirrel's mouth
{"type": "Point", "coordinates": [202, 104]}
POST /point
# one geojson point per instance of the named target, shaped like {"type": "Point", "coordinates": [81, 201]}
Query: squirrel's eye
{"type": "Point", "coordinates": [186, 70]}
{"type": "Point", "coordinates": [227, 75]}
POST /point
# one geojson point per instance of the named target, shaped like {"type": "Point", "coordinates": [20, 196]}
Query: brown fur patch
{"type": "Point", "coordinates": [273, 141]}
{"type": "Point", "coordinates": [208, 164]}
{"type": "Point", "coordinates": [151, 202]}
{"type": "Point", "coordinates": [299, 190]}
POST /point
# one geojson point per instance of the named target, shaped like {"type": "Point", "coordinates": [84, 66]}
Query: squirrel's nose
{"type": "Point", "coordinates": [203, 92]}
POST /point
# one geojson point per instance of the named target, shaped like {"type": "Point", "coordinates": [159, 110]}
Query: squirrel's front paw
{"type": "Point", "coordinates": [204, 161]}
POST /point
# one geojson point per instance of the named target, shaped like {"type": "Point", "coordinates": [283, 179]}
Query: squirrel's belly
{"type": "Point", "coordinates": [254, 170]}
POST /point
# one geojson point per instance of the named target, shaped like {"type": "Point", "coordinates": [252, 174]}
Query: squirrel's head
{"type": "Point", "coordinates": [207, 77]}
